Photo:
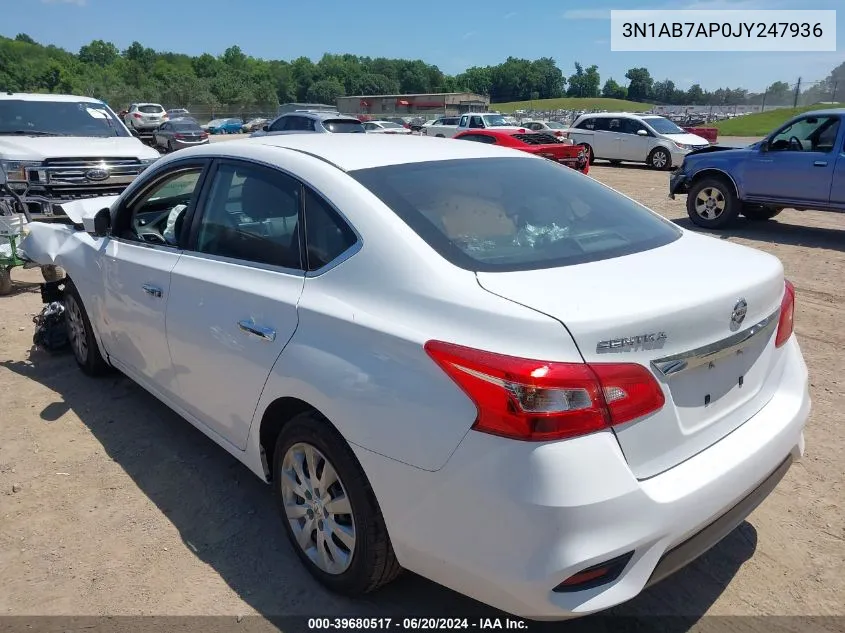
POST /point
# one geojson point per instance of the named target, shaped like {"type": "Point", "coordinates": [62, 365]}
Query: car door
{"type": "Point", "coordinates": [234, 294]}
{"type": "Point", "coordinates": [143, 248]}
{"type": "Point", "coordinates": [796, 164]}
{"type": "Point", "coordinates": [632, 145]}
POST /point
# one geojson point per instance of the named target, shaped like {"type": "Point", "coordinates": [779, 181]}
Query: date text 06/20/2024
{"type": "Point", "coordinates": [415, 624]}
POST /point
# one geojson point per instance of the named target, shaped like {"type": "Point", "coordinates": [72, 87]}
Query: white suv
{"type": "Point", "coordinates": [650, 139]}
{"type": "Point", "coordinates": [145, 117]}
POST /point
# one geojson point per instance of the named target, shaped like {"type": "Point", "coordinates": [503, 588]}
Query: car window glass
{"type": "Point", "coordinates": [587, 124]}
{"type": "Point", "coordinates": [631, 126]}
{"type": "Point", "coordinates": [807, 135]}
{"type": "Point", "coordinates": [326, 234]}
{"type": "Point", "coordinates": [252, 214]}
{"type": "Point", "coordinates": [464, 120]}
{"type": "Point", "coordinates": [498, 214]}
{"type": "Point", "coordinates": [279, 124]}
{"type": "Point", "coordinates": [158, 216]}
{"type": "Point", "coordinates": [476, 122]}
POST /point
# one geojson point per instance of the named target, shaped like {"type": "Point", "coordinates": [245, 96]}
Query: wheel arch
{"type": "Point", "coordinates": [274, 419]}
{"type": "Point", "coordinates": [94, 325]}
{"type": "Point", "coordinates": [714, 172]}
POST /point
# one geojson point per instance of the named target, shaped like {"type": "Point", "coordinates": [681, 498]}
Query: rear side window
{"type": "Point", "coordinates": [343, 126]}
{"type": "Point", "coordinates": [506, 214]}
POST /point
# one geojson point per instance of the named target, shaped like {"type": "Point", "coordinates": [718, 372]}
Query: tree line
{"type": "Point", "coordinates": [236, 80]}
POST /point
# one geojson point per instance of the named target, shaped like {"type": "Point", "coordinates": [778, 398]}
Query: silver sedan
{"type": "Point", "coordinates": [179, 134]}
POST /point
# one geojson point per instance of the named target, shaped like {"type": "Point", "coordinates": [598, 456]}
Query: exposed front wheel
{"type": "Point", "coordinates": [660, 159]}
{"type": "Point", "coordinates": [81, 335]}
{"type": "Point", "coordinates": [712, 203]}
{"type": "Point", "coordinates": [329, 510]}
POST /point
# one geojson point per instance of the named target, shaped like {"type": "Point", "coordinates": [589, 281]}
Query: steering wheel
{"type": "Point", "coordinates": [151, 235]}
{"type": "Point", "coordinates": [795, 143]}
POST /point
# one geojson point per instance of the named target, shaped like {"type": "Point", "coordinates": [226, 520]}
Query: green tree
{"type": "Point", "coordinates": [612, 90]}
{"type": "Point", "coordinates": [325, 91]}
{"type": "Point", "coordinates": [640, 86]}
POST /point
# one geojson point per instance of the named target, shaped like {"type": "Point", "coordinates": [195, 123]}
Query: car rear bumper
{"type": "Point", "coordinates": [506, 522]}
{"type": "Point", "coordinates": [177, 144]}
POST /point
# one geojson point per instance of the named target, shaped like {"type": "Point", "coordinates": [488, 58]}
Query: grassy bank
{"type": "Point", "coordinates": [762, 123]}
{"type": "Point", "coordinates": [573, 103]}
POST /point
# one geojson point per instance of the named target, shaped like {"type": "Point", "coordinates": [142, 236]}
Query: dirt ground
{"type": "Point", "coordinates": [110, 504]}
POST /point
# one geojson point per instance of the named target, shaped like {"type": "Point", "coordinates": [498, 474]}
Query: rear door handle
{"type": "Point", "coordinates": [248, 326]}
{"type": "Point", "coordinates": [153, 291]}
{"type": "Point", "coordinates": [820, 163]}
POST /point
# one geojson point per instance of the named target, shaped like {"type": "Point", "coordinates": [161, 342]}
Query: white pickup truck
{"type": "Point", "coordinates": [58, 148]}
{"type": "Point", "coordinates": [471, 121]}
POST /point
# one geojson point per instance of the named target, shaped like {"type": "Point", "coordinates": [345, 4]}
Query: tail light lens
{"type": "Point", "coordinates": [786, 324]}
{"type": "Point", "coordinates": [204, 135]}
{"type": "Point", "coordinates": [536, 400]}
{"type": "Point", "coordinates": [137, 115]}
{"type": "Point", "coordinates": [180, 136]}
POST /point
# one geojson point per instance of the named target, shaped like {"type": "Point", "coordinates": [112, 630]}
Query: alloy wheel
{"type": "Point", "coordinates": [710, 203]}
{"type": "Point", "coordinates": [76, 329]}
{"type": "Point", "coordinates": [317, 507]}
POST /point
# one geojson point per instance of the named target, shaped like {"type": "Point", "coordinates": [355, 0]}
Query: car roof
{"type": "Point", "coordinates": [825, 112]}
{"type": "Point", "coordinates": [617, 115]}
{"type": "Point", "coordinates": [357, 151]}
{"type": "Point", "coordinates": [148, 103]}
{"type": "Point", "coordinates": [320, 116]}
{"type": "Point", "coordinates": [28, 96]}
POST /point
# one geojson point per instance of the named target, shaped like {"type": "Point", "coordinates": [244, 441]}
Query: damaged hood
{"type": "Point", "coordinates": [43, 148]}
{"type": "Point", "coordinates": [78, 211]}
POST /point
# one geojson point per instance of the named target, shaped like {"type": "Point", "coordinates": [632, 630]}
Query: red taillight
{"type": "Point", "coordinates": [787, 315]}
{"type": "Point", "coordinates": [180, 136]}
{"type": "Point", "coordinates": [538, 400]}
{"type": "Point", "coordinates": [204, 135]}
{"type": "Point", "coordinates": [137, 115]}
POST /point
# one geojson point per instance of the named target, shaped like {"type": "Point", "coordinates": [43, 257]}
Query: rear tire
{"type": "Point", "coordinates": [712, 203]}
{"type": "Point", "coordinates": [5, 280]}
{"type": "Point", "coordinates": [759, 214]}
{"type": "Point", "coordinates": [81, 334]}
{"type": "Point", "coordinates": [337, 531]}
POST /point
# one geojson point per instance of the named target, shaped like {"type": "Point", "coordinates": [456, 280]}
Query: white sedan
{"type": "Point", "coordinates": [385, 127]}
{"type": "Point", "coordinates": [453, 358]}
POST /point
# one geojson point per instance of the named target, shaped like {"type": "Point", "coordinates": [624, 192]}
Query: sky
{"type": "Point", "coordinates": [453, 35]}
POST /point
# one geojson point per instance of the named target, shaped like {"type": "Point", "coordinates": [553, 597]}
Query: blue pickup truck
{"type": "Point", "coordinates": [800, 166]}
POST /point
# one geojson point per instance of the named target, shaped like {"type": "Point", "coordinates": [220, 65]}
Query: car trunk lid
{"type": "Point", "coordinates": [670, 309]}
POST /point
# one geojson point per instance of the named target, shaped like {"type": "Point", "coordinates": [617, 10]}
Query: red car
{"type": "Point", "coordinates": [540, 143]}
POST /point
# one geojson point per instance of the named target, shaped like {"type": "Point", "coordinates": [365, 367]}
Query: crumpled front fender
{"type": "Point", "coordinates": [46, 244]}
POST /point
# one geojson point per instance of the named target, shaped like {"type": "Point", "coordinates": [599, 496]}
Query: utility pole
{"type": "Point", "coordinates": [765, 94]}
{"type": "Point", "coordinates": [833, 96]}
{"type": "Point", "coordinates": [797, 92]}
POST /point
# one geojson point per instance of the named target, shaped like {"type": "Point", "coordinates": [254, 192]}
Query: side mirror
{"type": "Point", "coordinates": [100, 224]}
{"type": "Point", "coordinates": [764, 146]}
{"type": "Point", "coordinates": [265, 128]}
{"type": "Point", "coordinates": [642, 132]}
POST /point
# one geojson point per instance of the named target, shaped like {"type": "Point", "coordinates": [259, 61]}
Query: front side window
{"type": "Point", "coordinates": [252, 214]}
{"type": "Point", "coordinates": [810, 134]}
{"type": "Point", "coordinates": [279, 124]}
{"type": "Point", "coordinates": [158, 216]}
{"type": "Point", "coordinates": [503, 214]}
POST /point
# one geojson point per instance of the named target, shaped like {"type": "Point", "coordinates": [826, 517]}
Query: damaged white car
{"type": "Point", "coordinates": [454, 358]}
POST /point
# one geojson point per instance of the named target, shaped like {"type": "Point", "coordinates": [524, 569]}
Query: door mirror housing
{"type": "Point", "coordinates": [764, 146]}
{"type": "Point", "coordinates": [100, 224]}
{"type": "Point", "coordinates": [642, 132]}
{"type": "Point", "coordinates": [265, 128]}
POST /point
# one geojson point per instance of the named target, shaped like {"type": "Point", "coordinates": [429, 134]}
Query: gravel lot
{"type": "Point", "coordinates": [110, 504]}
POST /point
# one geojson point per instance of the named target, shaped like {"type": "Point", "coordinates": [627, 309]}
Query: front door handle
{"type": "Point", "coordinates": [820, 163]}
{"type": "Point", "coordinates": [248, 326]}
{"type": "Point", "coordinates": [153, 291]}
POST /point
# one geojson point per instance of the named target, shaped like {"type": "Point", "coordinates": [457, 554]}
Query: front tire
{"type": "Point", "coordinates": [81, 335]}
{"type": "Point", "coordinates": [660, 159]}
{"type": "Point", "coordinates": [5, 280]}
{"type": "Point", "coordinates": [712, 203]}
{"type": "Point", "coordinates": [329, 510]}
{"type": "Point", "coordinates": [759, 214]}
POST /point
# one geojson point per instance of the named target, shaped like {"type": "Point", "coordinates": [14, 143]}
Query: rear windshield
{"type": "Point", "coordinates": [186, 126]}
{"type": "Point", "coordinates": [506, 214]}
{"type": "Point", "coordinates": [150, 109]}
{"type": "Point", "coordinates": [555, 125]}
{"type": "Point", "coordinates": [343, 126]}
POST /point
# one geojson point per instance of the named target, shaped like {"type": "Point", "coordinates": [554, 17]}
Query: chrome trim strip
{"type": "Point", "coordinates": [677, 363]}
